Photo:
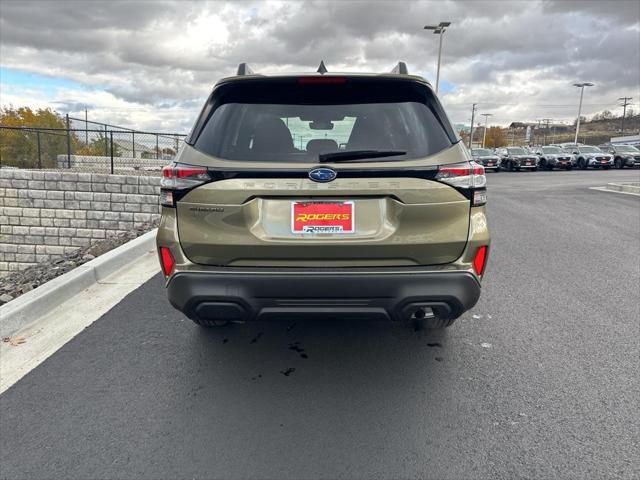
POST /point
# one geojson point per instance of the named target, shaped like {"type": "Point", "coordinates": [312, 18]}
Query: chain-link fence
{"type": "Point", "coordinates": [100, 148]}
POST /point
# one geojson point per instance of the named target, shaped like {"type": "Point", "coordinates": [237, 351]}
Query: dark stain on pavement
{"type": "Point", "coordinates": [295, 346]}
{"type": "Point", "coordinates": [256, 338]}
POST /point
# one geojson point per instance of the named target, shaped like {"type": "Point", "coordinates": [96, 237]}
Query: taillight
{"type": "Point", "coordinates": [177, 179]}
{"type": "Point", "coordinates": [468, 177]}
{"type": "Point", "coordinates": [166, 261]}
{"type": "Point", "coordinates": [479, 260]}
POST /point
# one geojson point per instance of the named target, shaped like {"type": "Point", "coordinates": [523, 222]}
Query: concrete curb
{"type": "Point", "coordinates": [624, 187]}
{"type": "Point", "coordinates": [32, 305]}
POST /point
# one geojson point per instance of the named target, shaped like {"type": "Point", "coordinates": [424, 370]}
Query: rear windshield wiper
{"type": "Point", "coordinates": [355, 155]}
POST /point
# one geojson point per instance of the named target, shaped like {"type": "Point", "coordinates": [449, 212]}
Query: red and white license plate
{"type": "Point", "coordinates": [322, 217]}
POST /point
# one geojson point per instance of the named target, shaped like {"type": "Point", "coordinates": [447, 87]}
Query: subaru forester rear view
{"type": "Point", "coordinates": [323, 195]}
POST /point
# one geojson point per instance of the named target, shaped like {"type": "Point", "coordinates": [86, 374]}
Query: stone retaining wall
{"type": "Point", "coordinates": [44, 214]}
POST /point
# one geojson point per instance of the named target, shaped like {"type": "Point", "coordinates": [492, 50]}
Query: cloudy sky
{"type": "Point", "coordinates": [150, 65]}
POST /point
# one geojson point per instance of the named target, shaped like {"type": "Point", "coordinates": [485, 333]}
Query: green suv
{"type": "Point", "coordinates": [322, 195]}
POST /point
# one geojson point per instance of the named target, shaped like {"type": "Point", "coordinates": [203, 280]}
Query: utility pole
{"type": "Point", "coordinates": [473, 112]}
{"type": "Point", "coordinates": [625, 102]}
{"type": "Point", "coordinates": [438, 30]}
{"type": "Point", "coordinates": [581, 87]}
{"type": "Point", "coordinates": [484, 136]}
{"type": "Point", "coordinates": [86, 127]}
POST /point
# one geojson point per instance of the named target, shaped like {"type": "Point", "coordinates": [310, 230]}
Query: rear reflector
{"type": "Point", "coordinates": [479, 260]}
{"type": "Point", "coordinates": [479, 198]}
{"type": "Point", "coordinates": [316, 80]}
{"type": "Point", "coordinates": [166, 261]}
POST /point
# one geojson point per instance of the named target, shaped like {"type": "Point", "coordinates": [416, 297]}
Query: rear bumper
{"type": "Point", "coordinates": [246, 294]}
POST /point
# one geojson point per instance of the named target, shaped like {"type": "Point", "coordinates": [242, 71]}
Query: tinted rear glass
{"type": "Point", "coordinates": [290, 122]}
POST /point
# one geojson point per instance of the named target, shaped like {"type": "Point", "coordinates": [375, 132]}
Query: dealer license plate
{"type": "Point", "coordinates": [322, 217]}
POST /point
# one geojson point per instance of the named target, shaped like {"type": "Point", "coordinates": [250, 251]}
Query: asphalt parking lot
{"type": "Point", "coordinates": [540, 380]}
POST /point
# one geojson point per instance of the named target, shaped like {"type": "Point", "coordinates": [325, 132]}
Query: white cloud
{"type": "Point", "coordinates": [150, 65]}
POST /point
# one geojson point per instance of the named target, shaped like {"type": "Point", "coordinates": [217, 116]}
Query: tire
{"type": "Point", "coordinates": [510, 166]}
{"type": "Point", "coordinates": [543, 165]}
{"type": "Point", "coordinates": [617, 163]}
{"type": "Point", "coordinates": [210, 323]}
{"type": "Point", "coordinates": [568, 169]}
{"type": "Point", "coordinates": [582, 164]}
{"type": "Point", "coordinates": [517, 169]}
{"type": "Point", "coordinates": [496, 170]}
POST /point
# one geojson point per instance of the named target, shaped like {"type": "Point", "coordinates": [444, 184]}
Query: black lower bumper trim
{"type": "Point", "coordinates": [245, 296]}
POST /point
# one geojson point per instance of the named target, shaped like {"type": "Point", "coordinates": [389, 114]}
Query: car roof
{"type": "Point", "coordinates": [245, 73]}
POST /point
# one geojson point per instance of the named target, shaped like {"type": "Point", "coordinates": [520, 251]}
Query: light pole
{"type": "Point", "coordinates": [438, 30]}
{"type": "Point", "coordinates": [581, 87]}
{"type": "Point", "coordinates": [625, 102]}
{"type": "Point", "coordinates": [484, 135]}
{"type": "Point", "coordinates": [473, 113]}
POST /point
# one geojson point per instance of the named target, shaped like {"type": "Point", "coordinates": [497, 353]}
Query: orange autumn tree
{"type": "Point", "coordinates": [20, 147]}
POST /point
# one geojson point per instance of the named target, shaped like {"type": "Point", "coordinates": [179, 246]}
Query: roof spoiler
{"type": "Point", "coordinates": [400, 69]}
{"type": "Point", "coordinates": [245, 69]}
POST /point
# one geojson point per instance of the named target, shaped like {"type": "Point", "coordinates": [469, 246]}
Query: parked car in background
{"type": "Point", "coordinates": [623, 155]}
{"type": "Point", "coordinates": [590, 156]}
{"type": "Point", "coordinates": [517, 158]}
{"type": "Point", "coordinates": [487, 158]}
{"type": "Point", "coordinates": [555, 157]}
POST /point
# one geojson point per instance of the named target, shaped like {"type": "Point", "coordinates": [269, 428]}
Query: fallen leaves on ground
{"type": "Point", "coordinates": [14, 342]}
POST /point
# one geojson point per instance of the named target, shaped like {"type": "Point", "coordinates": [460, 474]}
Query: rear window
{"type": "Point", "coordinates": [290, 122]}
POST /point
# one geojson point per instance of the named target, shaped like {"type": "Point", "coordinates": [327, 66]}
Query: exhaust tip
{"type": "Point", "coordinates": [421, 313]}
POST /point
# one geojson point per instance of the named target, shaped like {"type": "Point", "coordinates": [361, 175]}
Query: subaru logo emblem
{"type": "Point", "coordinates": [322, 174]}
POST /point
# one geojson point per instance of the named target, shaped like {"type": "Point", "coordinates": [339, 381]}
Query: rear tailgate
{"type": "Point", "coordinates": [383, 222]}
